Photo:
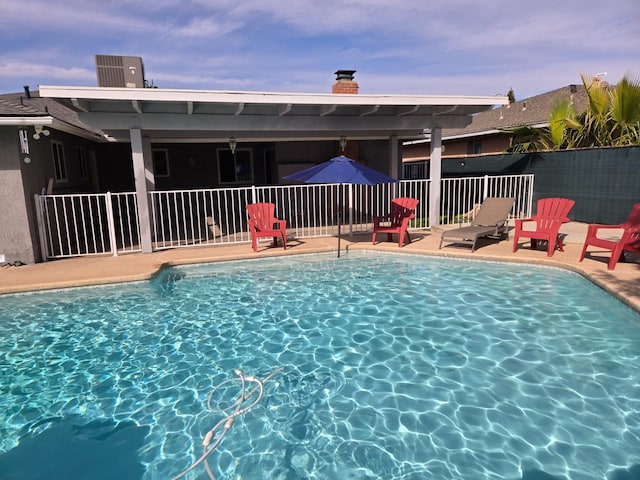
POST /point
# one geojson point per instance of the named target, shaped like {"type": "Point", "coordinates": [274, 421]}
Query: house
{"type": "Point", "coordinates": [478, 147]}
{"type": "Point", "coordinates": [144, 139]}
{"type": "Point", "coordinates": [43, 146]}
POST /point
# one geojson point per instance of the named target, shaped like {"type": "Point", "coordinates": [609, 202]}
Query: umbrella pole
{"type": "Point", "coordinates": [351, 210]}
{"type": "Point", "coordinates": [339, 213]}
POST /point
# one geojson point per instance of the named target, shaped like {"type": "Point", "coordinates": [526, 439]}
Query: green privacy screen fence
{"type": "Point", "coordinates": [604, 182]}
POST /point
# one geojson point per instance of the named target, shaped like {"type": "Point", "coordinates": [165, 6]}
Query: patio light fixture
{"type": "Point", "coordinates": [343, 142]}
{"type": "Point", "coordinates": [40, 131]}
{"type": "Point", "coordinates": [232, 145]}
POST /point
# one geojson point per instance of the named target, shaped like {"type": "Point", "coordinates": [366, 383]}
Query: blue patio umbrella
{"type": "Point", "coordinates": [341, 170]}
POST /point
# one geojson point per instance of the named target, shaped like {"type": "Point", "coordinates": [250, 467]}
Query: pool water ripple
{"type": "Point", "coordinates": [394, 367]}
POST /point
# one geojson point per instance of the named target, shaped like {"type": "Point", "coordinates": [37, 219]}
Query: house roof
{"type": "Point", "coordinates": [205, 115]}
{"type": "Point", "coordinates": [532, 111]}
{"type": "Point", "coordinates": [10, 108]}
{"type": "Point", "coordinates": [31, 109]}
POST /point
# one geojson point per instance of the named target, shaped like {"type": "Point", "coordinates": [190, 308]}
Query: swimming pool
{"type": "Point", "coordinates": [394, 366]}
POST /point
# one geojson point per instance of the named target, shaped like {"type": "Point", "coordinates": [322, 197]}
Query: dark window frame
{"type": "Point", "coordinates": [235, 168]}
{"type": "Point", "coordinates": [474, 146]}
{"type": "Point", "coordinates": [161, 162]}
{"type": "Point", "coordinates": [59, 161]}
{"type": "Point", "coordinates": [83, 163]}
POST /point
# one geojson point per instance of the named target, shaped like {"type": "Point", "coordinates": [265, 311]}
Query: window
{"type": "Point", "coordinates": [474, 147]}
{"type": "Point", "coordinates": [236, 168]}
{"type": "Point", "coordinates": [414, 170]}
{"type": "Point", "coordinates": [160, 162]}
{"type": "Point", "coordinates": [83, 166]}
{"type": "Point", "coordinates": [59, 164]}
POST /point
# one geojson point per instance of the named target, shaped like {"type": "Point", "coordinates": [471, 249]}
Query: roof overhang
{"type": "Point", "coordinates": [26, 121]}
{"type": "Point", "coordinates": [472, 134]}
{"type": "Point", "coordinates": [48, 121]}
{"type": "Point", "coordinates": [166, 115]}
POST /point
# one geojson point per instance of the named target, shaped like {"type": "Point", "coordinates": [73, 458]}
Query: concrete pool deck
{"type": "Point", "coordinates": [623, 282]}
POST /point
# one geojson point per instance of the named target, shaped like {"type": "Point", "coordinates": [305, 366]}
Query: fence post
{"type": "Point", "coordinates": [254, 194]}
{"type": "Point", "coordinates": [485, 187]}
{"type": "Point", "coordinates": [111, 224]}
{"type": "Point", "coordinates": [530, 197]}
{"type": "Point", "coordinates": [41, 230]}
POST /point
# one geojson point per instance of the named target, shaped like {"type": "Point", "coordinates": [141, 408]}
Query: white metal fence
{"type": "Point", "coordinates": [88, 224]}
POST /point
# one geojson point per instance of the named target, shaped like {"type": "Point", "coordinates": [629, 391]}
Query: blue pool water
{"type": "Point", "coordinates": [393, 367]}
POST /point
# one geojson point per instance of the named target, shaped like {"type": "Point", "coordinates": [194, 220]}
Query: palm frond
{"type": "Point", "coordinates": [625, 102]}
{"type": "Point", "coordinates": [525, 138]}
{"type": "Point", "coordinates": [561, 116]}
{"type": "Point", "coordinates": [597, 94]}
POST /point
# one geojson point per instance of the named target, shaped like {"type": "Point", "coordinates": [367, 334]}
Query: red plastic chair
{"type": "Point", "coordinates": [551, 213]}
{"type": "Point", "coordinates": [629, 241]}
{"type": "Point", "coordinates": [263, 223]}
{"type": "Point", "coordinates": [397, 221]}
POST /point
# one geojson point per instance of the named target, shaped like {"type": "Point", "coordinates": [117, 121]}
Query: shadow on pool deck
{"type": "Point", "coordinates": [623, 282]}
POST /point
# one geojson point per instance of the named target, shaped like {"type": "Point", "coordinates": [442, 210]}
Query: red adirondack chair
{"type": "Point", "coordinates": [629, 241]}
{"type": "Point", "coordinates": [397, 220]}
{"type": "Point", "coordinates": [263, 224]}
{"type": "Point", "coordinates": [551, 213]}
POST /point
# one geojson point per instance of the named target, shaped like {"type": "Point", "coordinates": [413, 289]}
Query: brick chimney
{"type": "Point", "coordinates": [345, 83]}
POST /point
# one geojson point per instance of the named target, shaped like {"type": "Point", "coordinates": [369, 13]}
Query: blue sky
{"type": "Point", "coordinates": [430, 47]}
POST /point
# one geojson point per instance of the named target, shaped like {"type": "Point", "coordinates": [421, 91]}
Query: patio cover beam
{"type": "Point", "coordinates": [226, 97]}
{"type": "Point", "coordinates": [259, 128]}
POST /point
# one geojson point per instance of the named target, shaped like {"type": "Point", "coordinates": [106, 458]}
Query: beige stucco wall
{"type": "Point", "coordinates": [16, 243]}
{"type": "Point", "coordinates": [20, 182]}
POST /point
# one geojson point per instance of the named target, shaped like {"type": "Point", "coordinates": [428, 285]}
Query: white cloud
{"type": "Point", "coordinates": [18, 73]}
{"type": "Point", "coordinates": [438, 46]}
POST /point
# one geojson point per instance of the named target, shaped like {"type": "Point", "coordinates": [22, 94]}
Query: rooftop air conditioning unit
{"type": "Point", "coordinates": [118, 71]}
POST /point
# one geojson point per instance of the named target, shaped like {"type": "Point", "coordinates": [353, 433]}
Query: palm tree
{"type": "Point", "coordinates": [562, 121]}
{"type": "Point", "coordinates": [625, 111]}
{"type": "Point", "coordinates": [612, 118]}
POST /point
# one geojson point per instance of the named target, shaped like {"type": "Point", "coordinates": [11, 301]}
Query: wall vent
{"type": "Point", "coordinates": [119, 71]}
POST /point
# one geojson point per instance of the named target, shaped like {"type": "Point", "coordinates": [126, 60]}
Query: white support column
{"type": "Point", "coordinates": [138, 151]}
{"type": "Point", "coordinates": [395, 158]}
{"type": "Point", "coordinates": [150, 179]}
{"type": "Point", "coordinates": [395, 155]}
{"type": "Point", "coordinates": [435, 174]}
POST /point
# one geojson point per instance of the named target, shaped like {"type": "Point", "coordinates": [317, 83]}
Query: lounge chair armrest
{"type": "Point", "coordinates": [501, 225]}
{"type": "Point", "coordinates": [594, 228]}
{"type": "Point", "coordinates": [598, 226]}
{"type": "Point", "coordinates": [519, 222]}
{"type": "Point", "coordinates": [380, 218]}
{"type": "Point", "coordinates": [282, 224]}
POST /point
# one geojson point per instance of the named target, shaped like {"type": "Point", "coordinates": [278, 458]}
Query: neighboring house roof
{"type": "Point", "coordinates": [532, 111]}
{"type": "Point", "coordinates": [31, 109]}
